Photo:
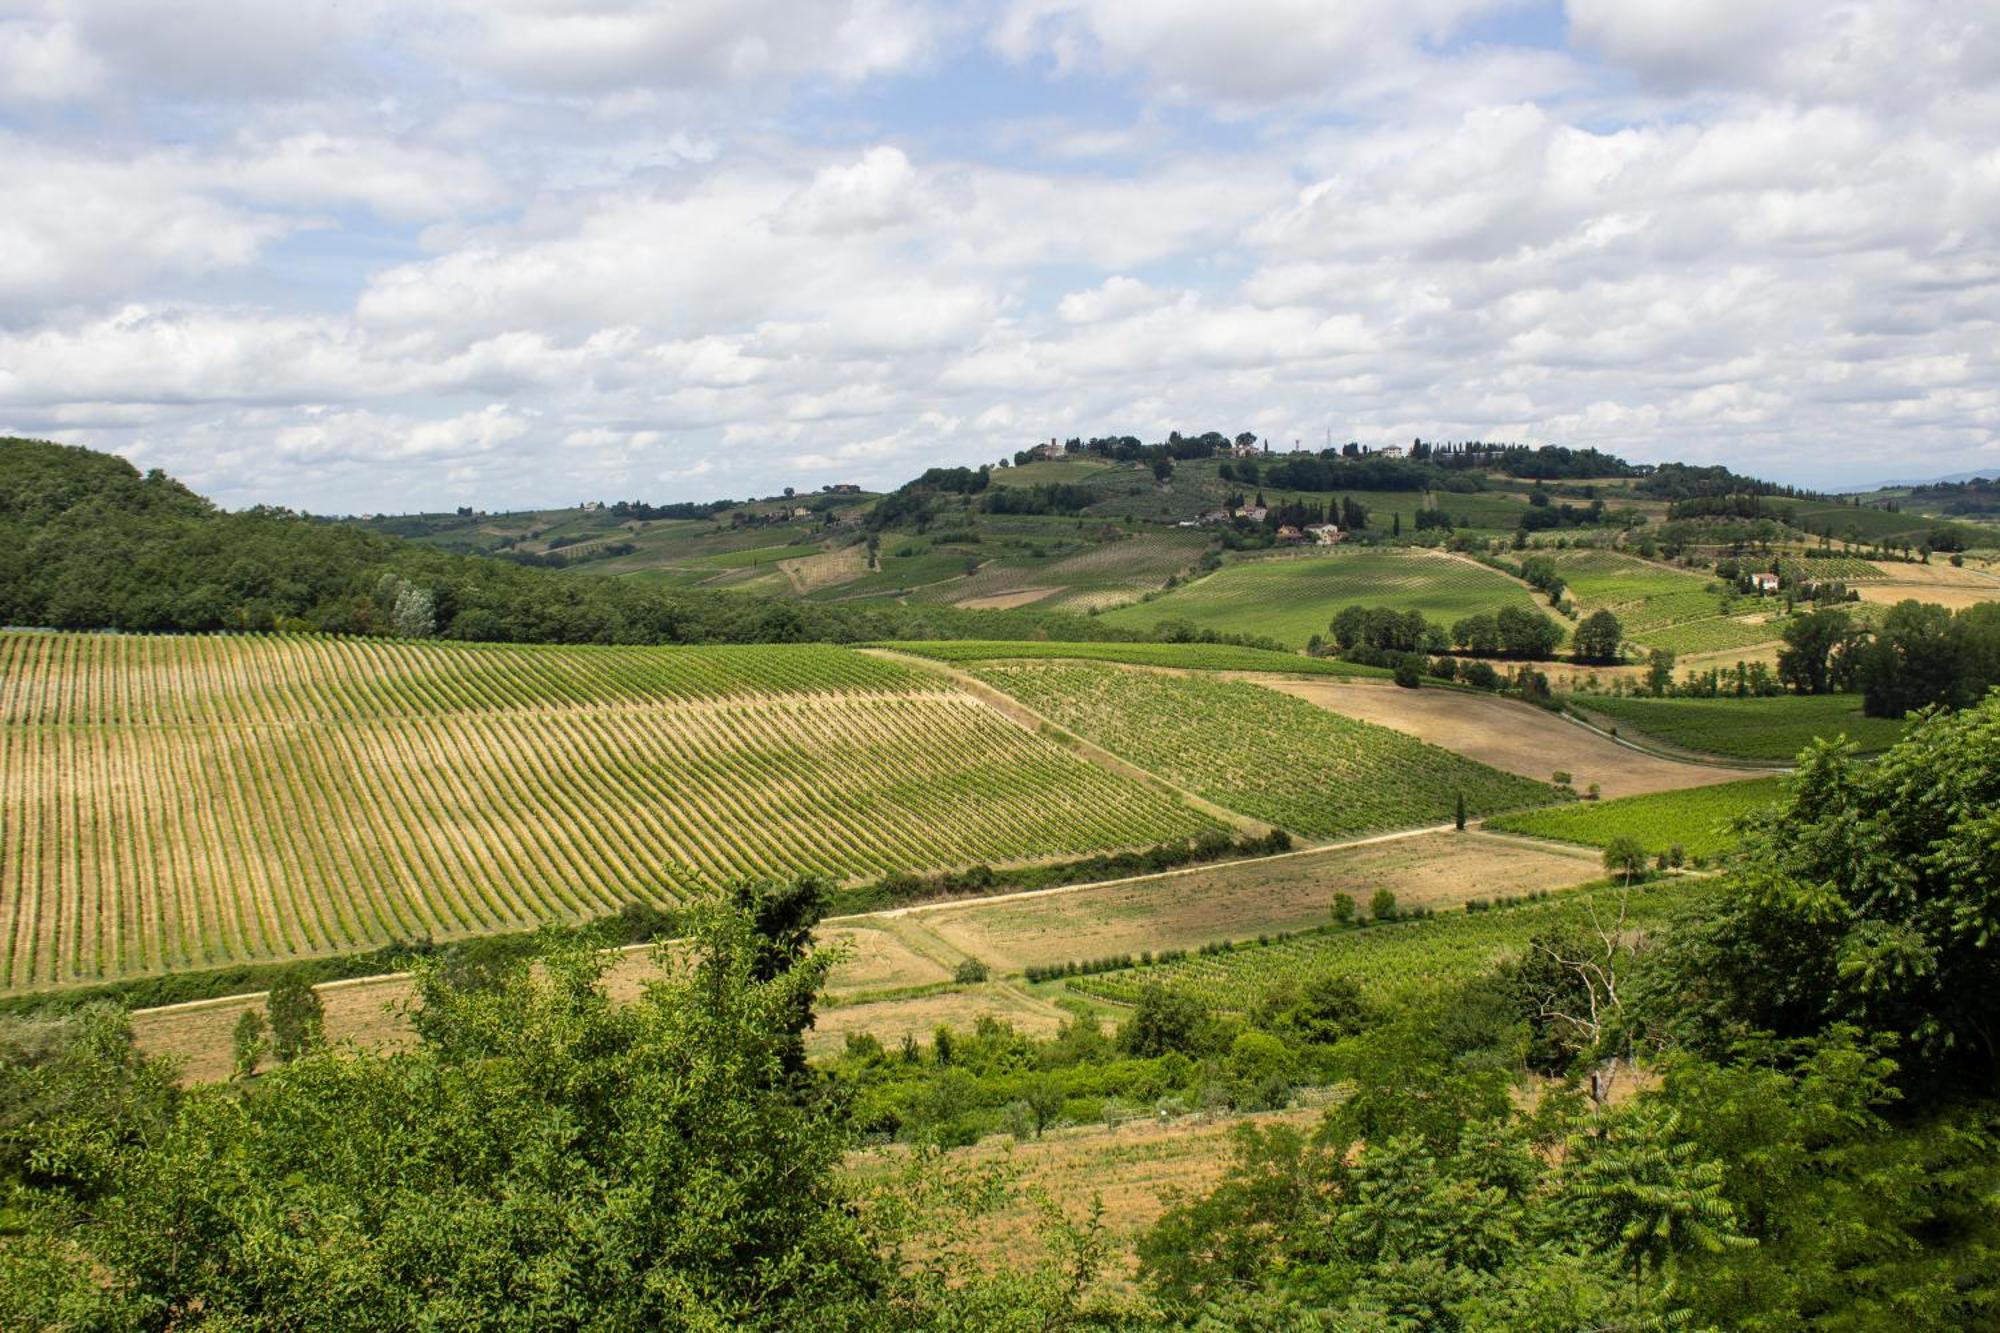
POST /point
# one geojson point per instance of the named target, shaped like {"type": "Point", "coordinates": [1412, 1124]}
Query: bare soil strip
{"type": "Point", "coordinates": [1007, 601]}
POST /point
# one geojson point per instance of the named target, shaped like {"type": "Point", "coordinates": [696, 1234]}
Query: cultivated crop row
{"type": "Point", "coordinates": [1391, 957]}
{"type": "Point", "coordinates": [1184, 656]}
{"type": "Point", "coordinates": [149, 679]}
{"type": "Point", "coordinates": [1263, 753]}
{"type": "Point", "coordinates": [130, 847]}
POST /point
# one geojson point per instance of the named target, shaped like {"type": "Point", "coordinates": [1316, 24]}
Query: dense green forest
{"type": "Point", "coordinates": [1779, 1112]}
{"type": "Point", "coordinates": [88, 542]}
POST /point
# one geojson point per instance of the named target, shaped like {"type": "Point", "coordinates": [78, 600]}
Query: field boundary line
{"type": "Point", "coordinates": [858, 919]}
{"type": "Point", "coordinates": [950, 904]}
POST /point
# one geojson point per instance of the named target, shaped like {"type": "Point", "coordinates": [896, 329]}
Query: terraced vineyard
{"type": "Point", "coordinates": [1386, 959]}
{"type": "Point", "coordinates": [1292, 599]}
{"type": "Point", "coordinates": [1773, 729]}
{"type": "Point", "coordinates": [1694, 819]}
{"type": "Point", "coordinates": [1185, 656]}
{"type": "Point", "coordinates": [178, 802]}
{"type": "Point", "coordinates": [1260, 752]}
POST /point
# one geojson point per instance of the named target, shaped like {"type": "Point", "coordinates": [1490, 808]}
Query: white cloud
{"type": "Point", "coordinates": [1252, 51]}
{"type": "Point", "coordinates": [605, 45]}
{"type": "Point", "coordinates": [449, 253]}
{"type": "Point", "coordinates": [42, 59]}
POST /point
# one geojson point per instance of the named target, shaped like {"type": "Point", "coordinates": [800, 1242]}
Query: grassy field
{"type": "Point", "coordinates": [1387, 958]}
{"type": "Point", "coordinates": [1695, 819]}
{"type": "Point", "coordinates": [1261, 753]}
{"type": "Point", "coordinates": [1185, 656]}
{"type": "Point", "coordinates": [1773, 729]}
{"type": "Point", "coordinates": [1292, 599]}
{"type": "Point", "coordinates": [177, 802]}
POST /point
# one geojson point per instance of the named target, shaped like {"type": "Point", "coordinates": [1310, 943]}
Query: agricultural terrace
{"type": "Point", "coordinates": [1695, 820]}
{"type": "Point", "coordinates": [179, 802]}
{"type": "Point", "coordinates": [1292, 598]}
{"type": "Point", "coordinates": [1391, 957]}
{"type": "Point", "coordinates": [1182, 656]}
{"type": "Point", "coordinates": [1771, 730]}
{"type": "Point", "coordinates": [1261, 753]}
{"type": "Point", "coordinates": [1661, 607]}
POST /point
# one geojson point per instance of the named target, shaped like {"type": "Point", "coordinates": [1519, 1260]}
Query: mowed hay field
{"type": "Point", "coordinates": [1292, 598]}
{"type": "Point", "coordinates": [179, 802]}
{"type": "Point", "coordinates": [1186, 909]}
{"type": "Point", "coordinates": [1264, 754]}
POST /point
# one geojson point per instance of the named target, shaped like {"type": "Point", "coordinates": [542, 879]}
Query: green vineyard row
{"type": "Point", "coordinates": [154, 818]}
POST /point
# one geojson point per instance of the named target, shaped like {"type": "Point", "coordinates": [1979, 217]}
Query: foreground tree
{"type": "Point", "coordinates": [544, 1158]}
{"type": "Point", "coordinates": [1871, 899]}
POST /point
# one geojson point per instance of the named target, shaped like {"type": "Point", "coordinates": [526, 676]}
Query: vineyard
{"type": "Point", "coordinates": [1772, 729]}
{"type": "Point", "coordinates": [1694, 819]}
{"type": "Point", "coordinates": [1387, 958]}
{"type": "Point", "coordinates": [176, 802]}
{"type": "Point", "coordinates": [1263, 753]}
{"type": "Point", "coordinates": [1183, 656]}
{"type": "Point", "coordinates": [1841, 568]}
{"type": "Point", "coordinates": [1292, 599]}
{"type": "Point", "coordinates": [1664, 608]}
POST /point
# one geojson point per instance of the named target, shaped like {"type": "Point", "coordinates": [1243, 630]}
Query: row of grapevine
{"type": "Point", "coordinates": [128, 849]}
{"type": "Point", "coordinates": [1279, 758]}
{"type": "Point", "coordinates": [1181, 656]}
{"type": "Point", "coordinates": [147, 679]}
{"type": "Point", "coordinates": [1391, 957]}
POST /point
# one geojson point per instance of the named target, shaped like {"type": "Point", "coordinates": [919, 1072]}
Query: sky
{"type": "Point", "coordinates": [384, 255]}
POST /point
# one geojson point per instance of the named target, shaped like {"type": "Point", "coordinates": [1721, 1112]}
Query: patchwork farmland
{"type": "Point", "coordinates": [181, 802]}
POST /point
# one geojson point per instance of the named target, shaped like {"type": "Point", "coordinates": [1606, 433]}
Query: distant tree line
{"type": "Point", "coordinates": [88, 542]}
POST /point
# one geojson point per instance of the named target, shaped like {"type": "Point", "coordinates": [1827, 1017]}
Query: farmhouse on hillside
{"type": "Point", "coordinates": [1763, 583]}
